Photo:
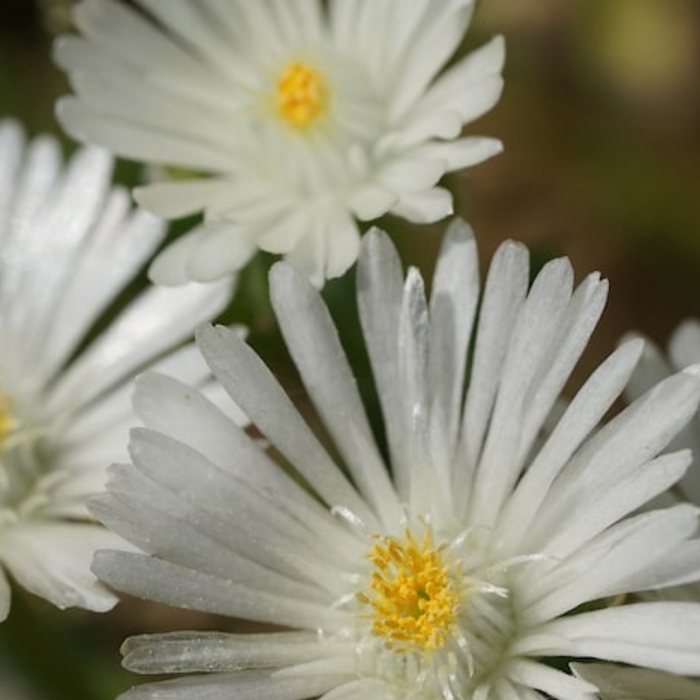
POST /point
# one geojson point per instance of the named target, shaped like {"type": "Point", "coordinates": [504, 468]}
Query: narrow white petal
{"type": "Point", "coordinates": [143, 330]}
{"type": "Point", "coordinates": [453, 300]}
{"type": "Point", "coordinates": [181, 542]}
{"type": "Point", "coordinates": [251, 520]}
{"type": "Point", "coordinates": [425, 207]}
{"type": "Point", "coordinates": [207, 652]}
{"type": "Point", "coordinates": [581, 416]}
{"type": "Point", "coordinates": [627, 442]}
{"type": "Point", "coordinates": [661, 636]}
{"type": "Point", "coordinates": [52, 560]}
{"type": "Point", "coordinates": [176, 199]}
{"type": "Point", "coordinates": [315, 348]}
{"type": "Point", "coordinates": [609, 565]}
{"type": "Point", "coordinates": [251, 384]}
{"type": "Point", "coordinates": [246, 685]}
{"type": "Point", "coordinates": [684, 346]}
{"type": "Point", "coordinates": [364, 688]}
{"type": "Point", "coordinates": [222, 249]}
{"type": "Point", "coordinates": [161, 581]}
{"type": "Point", "coordinates": [379, 292]}
{"type": "Point", "coordinates": [142, 143]}
{"type": "Point", "coordinates": [504, 293]}
{"type": "Point", "coordinates": [547, 679]}
{"type": "Point", "coordinates": [413, 480]}
{"type": "Point", "coordinates": [534, 332]}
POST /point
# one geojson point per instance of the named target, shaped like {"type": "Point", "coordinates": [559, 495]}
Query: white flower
{"type": "Point", "coordinates": [683, 351]}
{"type": "Point", "coordinates": [294, 119]}
{"type": "Point", "coordinates": [68, 246]}
{"type": "Point", "coordinates": [653, 367]}
{"type": "Point", "coordinates": [455, 567]}
{"type": "Point", "coordinates": [619, 683]}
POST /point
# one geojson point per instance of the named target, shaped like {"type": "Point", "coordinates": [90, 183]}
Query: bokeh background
{"type": "Point", "coordinates": [600, 119]}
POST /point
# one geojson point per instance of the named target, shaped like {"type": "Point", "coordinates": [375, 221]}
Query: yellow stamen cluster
{"type": "Point", "coordinates": [300, 94]}
{"type": "Point", "coordinates": [411, 593]}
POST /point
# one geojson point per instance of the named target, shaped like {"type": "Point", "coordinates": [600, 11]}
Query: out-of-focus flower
{"type": "Point", "coordinates": [619, 683]}
{"type": "Point", "coordinates": [453, 567]}
{"type": "Point", "coordinates": [683, 351]}
{"type": "Point", "coordinates": [68, 245]}
{"type": "Point", "coordinates": [655, 366]}
{"type": "Point", "coordinates": [291, 120]}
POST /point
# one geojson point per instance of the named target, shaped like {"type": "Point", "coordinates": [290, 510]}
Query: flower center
{"type": "Point", "coordinates": [300, 94]}
{"type": "Point", "coordinates": [411, 593]}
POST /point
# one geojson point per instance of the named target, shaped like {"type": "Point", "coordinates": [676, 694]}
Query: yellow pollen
{"type": "Point", "coordinates": [411, 593]}
{"type": "Point", "coordinates": [300, 94]}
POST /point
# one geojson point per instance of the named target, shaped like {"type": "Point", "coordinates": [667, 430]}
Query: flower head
{"type": "Point", "coordinates": [654, 365]}
{"type": "Point", "coordinates": [68, 246]}
{"type": "Point", "coordinates": [294, 120]}
{"type": "Point", "coordinates": [453, 564]}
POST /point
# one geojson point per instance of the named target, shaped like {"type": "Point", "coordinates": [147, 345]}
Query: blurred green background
{"type": "Point", "coordinates": [600, 119]}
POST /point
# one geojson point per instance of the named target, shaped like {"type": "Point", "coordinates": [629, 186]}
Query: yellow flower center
{"type": "Point", "coordinates": [411, 593]}
{"type": "Point", "coordinates": [300, 94]}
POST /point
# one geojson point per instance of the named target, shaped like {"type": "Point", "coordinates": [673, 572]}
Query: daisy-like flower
{"type": "Point", "coordinates": [456, 565]}
{"type": "Point", "coordinates": [291, 119]}
{"type": "Point", "coordinates": [68, 245]}
{"type": "Point", "coordinates": [655, 366]}
{"type": "Point", "coordinates": [683, 351]}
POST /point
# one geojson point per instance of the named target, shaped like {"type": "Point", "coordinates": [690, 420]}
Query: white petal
{"type": "Point", "coordinates": [504, 293]}
{"type": "Point", "coordinates": [379, 292]}
{"type": "Point", "coordinates": [425, 207]}
{"type": "Point", "coordinates": [221, 250]}
{"type": "Point", "coordinates": [208, 652]}
{"type": "Point", "coordinates": [254, 388]}
{"type": "Point", "coordinates": [453, 300]}
{"type": "Point", "coordinates": [52, 560]}
{"type": "Point", "coordinates": [554, 683]}
{"type": "Point", "coordinates": [657, 635]}
{"type": "Point", "coordinates": [584, 413]}
{"type": "Point", "coordinates": [315, 348]}
{"type": "Point", "coordinates": [142, 331]}
{"type": "Point", "coordinates": [246, 685]}
{"type": "Point", "coordinates": [590, 484]}
{"type": "Point", "coordinates": [176, 199]}
{"type": "Point", "coordinates": [684, 346]}
{"type": "Point", "coordinates": [160, 581]}
{"type": "Point", "coordinates": [609, 565]}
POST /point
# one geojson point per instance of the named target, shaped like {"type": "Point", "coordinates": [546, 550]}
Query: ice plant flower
{"type": "Point", "coordinates": [453, 564]}
{"type": "Point", "coordinates": [655, 365]}
{"type": "Point", "coordinates": [68, 245]}
{"type": "Point", "coordinates": [286, 122]}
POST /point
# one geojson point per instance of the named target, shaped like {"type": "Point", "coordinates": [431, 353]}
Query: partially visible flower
{"type": "Point", "coordinates": [619, 683]}
{"type": "Point", "coordinates": [454, 567]}
{"type": "Point", "coordinates": [654, 365]}
{"type": "Point", "coordinates": [288, 121]}
{"type": "Point", "coordinates": [68, 246]}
